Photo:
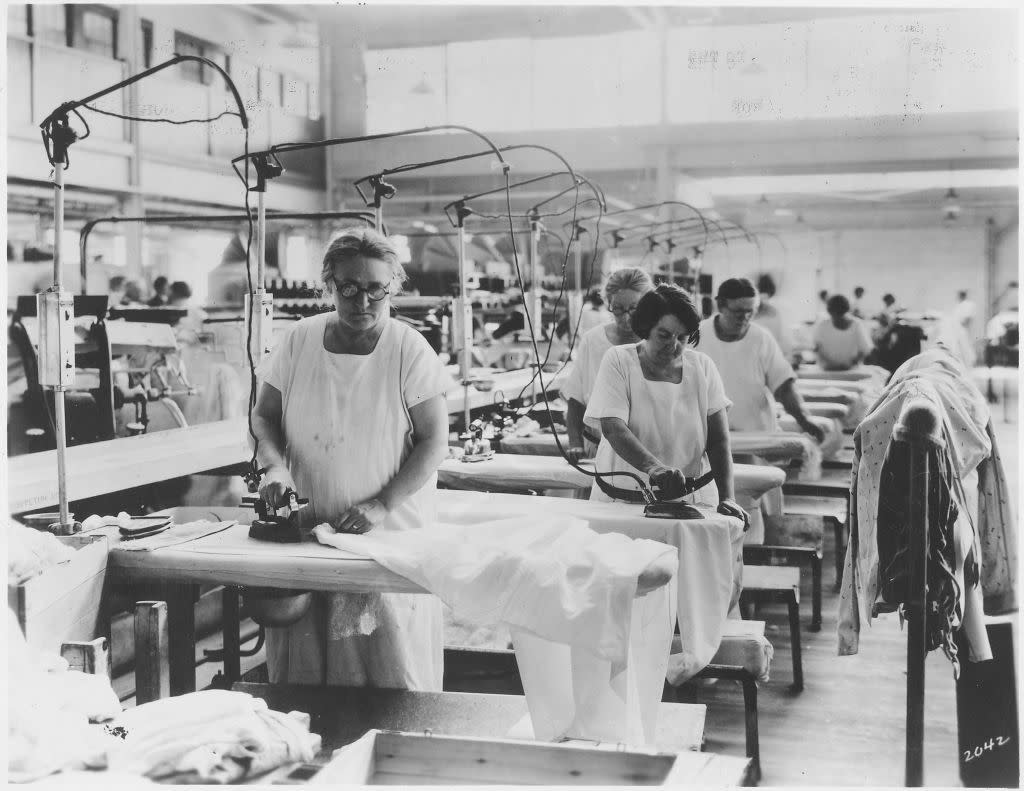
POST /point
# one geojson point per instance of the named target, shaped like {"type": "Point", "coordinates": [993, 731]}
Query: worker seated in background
{"type": "Point", "coordinates": [622, 292]}
{"type": "Point", "coordinates": [160, 296]}
{"type": "Point", "coordinates": [351, 414]}
{"type": "Point", "coordinates": [751, 363]}
{"type": "Point", "coordinates": [840, 341]}
{"type": "Point", "coordinates": [661, 405]}
{"type": "Point", "coordinates": [768, 316]}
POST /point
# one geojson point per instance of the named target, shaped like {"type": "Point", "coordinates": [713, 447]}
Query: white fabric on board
{"type": "Point", "coordinates": [568, 596]}
{"type": "Point", "coordinates": [347, 432]}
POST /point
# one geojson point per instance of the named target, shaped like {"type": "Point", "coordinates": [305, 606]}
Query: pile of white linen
{"type": "Point", "coordinates": [212, 736]}
{"type": "Point", "coordinates": [30, 551]}
{"type": "Point", "coordinates": [49, 709]}
{"type": "Point", "coordinates": [592, 656]}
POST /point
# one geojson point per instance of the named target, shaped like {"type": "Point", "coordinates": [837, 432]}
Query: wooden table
{"type": "Point", "coordinates": [505, 471]}
{"type": "Point", "coordinates": [707, 549]}
{"type": "Point", "coordinates": [117, 464]}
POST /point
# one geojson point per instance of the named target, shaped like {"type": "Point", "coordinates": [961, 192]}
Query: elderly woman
{"type": "Point", "coordinates": [661, 406]}
{"type": "Point", "coordinates": [841, 341]}
{"type": "Point", "coordinates": [351, 415]}
{"type": "Point", "coordinates": [623, 291]}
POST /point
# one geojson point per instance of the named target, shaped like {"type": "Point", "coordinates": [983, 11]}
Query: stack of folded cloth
{"type": "Point", "coordinates": [50, 709]}
{"type": "Point", "coordinates": [29, 552]}
{"type": "Point", "coordinates": [213, 736]}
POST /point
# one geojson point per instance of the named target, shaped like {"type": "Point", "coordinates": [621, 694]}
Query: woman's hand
{"type": "Point", "coordinates": [362, 517]}
{"type": "Point", "coordinates": [730, 508]}
{"type": "Point", "coordinates": [667, 479]}
{"type": "Point", "coordinates": [574, 454]}
{"type": "Point", "coordinates": [276, 481]}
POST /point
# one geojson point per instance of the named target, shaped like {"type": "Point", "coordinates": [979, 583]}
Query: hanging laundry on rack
{"type": "Point", "coordinates": [969, 474]}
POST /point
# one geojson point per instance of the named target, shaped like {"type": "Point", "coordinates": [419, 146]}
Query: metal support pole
{"type": "Point", "coordinates": [378, 217]}
{"type": "Point", "coordinates": [464, 310]}
{"type": "Point", "coordinates": [537, 306]}
{"type": "Point", "coordinates": [920, 427]}
{"type": "Point", "coordinates": [576, 304]}
{"type": "Point", "coordinates": [66, 525]}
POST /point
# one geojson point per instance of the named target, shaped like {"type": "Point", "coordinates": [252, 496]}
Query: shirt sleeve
{"type": "Point", "coordinates": [777, 370]}
{"type": "Point", "coordinates": [864, 345]}
{"type": "Point", "coordinates": [572, 385]}
{"type": "Point", "coordinates": [610, 396]}
{"type": "Point", "coordinates": [277, 369]}
{"type": "Point", "coordinates": [423, 376]}
{"type": "Point", "coordinates": [717, 399]}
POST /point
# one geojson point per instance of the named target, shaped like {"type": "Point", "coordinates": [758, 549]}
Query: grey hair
{"type": "Point", "coordinates": [360, 242]}
{"type": "Point", "coordinates": [629, 279]}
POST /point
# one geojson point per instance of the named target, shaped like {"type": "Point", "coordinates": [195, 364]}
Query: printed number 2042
{"type": "Point", "coordinates": [991, 744]}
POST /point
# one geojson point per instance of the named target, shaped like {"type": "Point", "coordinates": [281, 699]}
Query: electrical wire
{"type": "Point", "coordinates": [151, 120]}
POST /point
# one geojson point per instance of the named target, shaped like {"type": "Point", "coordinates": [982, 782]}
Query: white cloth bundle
{"type": "Point", "coordinates": [30, 551]}
{"type": "Point", "coordinates": [49, 708]}
{"type": "Point", "coordinates": [217, 735]}
{"type": "Point", "coordinates": [590, 653]}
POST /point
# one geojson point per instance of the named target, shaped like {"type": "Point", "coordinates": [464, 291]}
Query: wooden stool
{"type": "Point", "coordinates": [744, 655]}
{"type": "Point", "coordinates": [778, 584]}
{"type": "Point", "coordinates": [834, 511]}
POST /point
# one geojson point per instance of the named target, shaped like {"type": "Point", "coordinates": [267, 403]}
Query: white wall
{"type": "Point", "coordinates": [922, 267]}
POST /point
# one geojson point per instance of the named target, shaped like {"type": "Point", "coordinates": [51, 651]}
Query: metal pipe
{"type": "Point", "coordinates": [576, 307]}
{"type": "Point", "coordinates": [60, 428]}
{"type": "Point", "coordinates": [535, 293]}
{"type": "Point", "coordinates": [261, 240]}
{"type": "Point", "coordinates": [464, 308]}
{"type": "Point", "coordinates": [378, 217]}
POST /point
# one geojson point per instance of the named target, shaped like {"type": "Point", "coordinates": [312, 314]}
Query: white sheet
{"type": "Point", "coordinates": [586, 649]}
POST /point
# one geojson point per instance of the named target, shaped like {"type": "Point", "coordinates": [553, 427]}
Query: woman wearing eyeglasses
{"type": "Point", "coordinates": [622, 292]}
{"type": "Point", "coordinates": [351, 414]}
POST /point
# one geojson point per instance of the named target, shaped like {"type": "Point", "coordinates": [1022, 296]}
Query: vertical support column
{"type": "Point", "coordinates": [464, 312]}
{"type": "Point", "coordinates": [58, 392]}
{"type": "Point", "coordinates": [152, 658]}
{"type": "Point", "coordinates": [129, 46]}
{"type": "Point", "coordinates": [342, 89]}
{"type": "Point", "coordinates": [232, 637]}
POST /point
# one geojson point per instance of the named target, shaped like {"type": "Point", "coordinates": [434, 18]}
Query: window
{"type": "Point", "coordinates": [93, 28]}
{"type": "Point", "coordinates": [18, 19]}
{"type": "Point", "coordinates": [50, 23]}
{"type": "Point", "coordinates": [193, 71]}
{"type": "Point", "coordinates": [147, 43]}
{"type": "Point", "coordinates": [296, 96]}
{"type": "Point", "coordinates": [270, 88]}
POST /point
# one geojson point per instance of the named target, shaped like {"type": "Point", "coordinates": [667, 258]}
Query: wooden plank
{"type": "Point", "coordinates": [110, 466]}
{"type": "Point", "coordinates": [63, 602]}
{"type": "Point", "coordinates": [152, 659]}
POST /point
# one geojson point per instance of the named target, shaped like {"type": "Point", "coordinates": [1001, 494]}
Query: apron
{"type": "Point", "coordinates": [347, 431]}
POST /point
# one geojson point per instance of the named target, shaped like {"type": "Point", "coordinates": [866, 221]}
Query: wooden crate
{"type": "Point", "coordinates": [397, 758]}
{"type": "Point", "coordinates": [63, 602]}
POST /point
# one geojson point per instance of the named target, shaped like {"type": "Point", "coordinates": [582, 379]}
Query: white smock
{"type": "Point", "coordinates": [347, 432]}
{"type": "Point", "coordinates": [670, 420]}
{"type": "Point", "coordinates": [840, 350]}
{"type": "Point", "coordinates": [752, 369]}
{"type": "Point", "coordinates": [586, 362]}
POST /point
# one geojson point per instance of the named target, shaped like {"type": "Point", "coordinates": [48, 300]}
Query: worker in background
{"type": "Point", "coordinates": [351, 414]}
{"type": "Point", "coordinates": [622, 292]}
{"type": "Point", "coordinates": [160, 297]}
{"type": "Point", "coordinates": [132, 294]}
{"type": "Point", "coordinates": [885, 318]}
{"type": "Point", "coordinates": [964, 312]}
{"type": "Point", "coordinates": [822, 304]}
{"type": "Point", "coordinates": [115, 290]}
{"type": "Point", "coordinates": [753, 369]}
{"type": "Point", "coordinates": [841, 341]}
{"type": "Point", "coordinates": [661, 405]}
{"type": "Point", "coordinates": [857, 305]}
{"type": "Point", "coordinates": [768, 316]}
{"type": "Point", "coordinates": [594, 313]}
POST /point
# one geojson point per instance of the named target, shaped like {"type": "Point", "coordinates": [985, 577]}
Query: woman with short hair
{"type": "Point", "coordinates": [622, 292]}
{"type": "Point", "coordinates": [351, 414]}
{"type": "Point", "coordinates": [661, 405]}
{"type": "Point", "coordinates": [841, 341]}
